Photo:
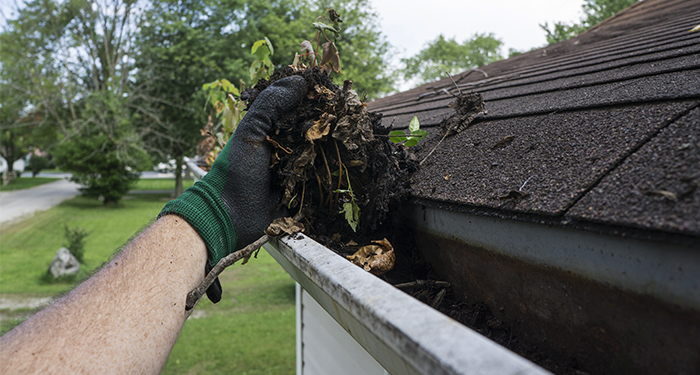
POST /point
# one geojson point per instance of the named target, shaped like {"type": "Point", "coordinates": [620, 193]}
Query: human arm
{"type": "Point", "coordinates": [127, 317]}
{"type": "Point", "coordinates": [124, 319]}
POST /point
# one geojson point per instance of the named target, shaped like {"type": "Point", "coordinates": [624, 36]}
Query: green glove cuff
{"type": "Point", "coordinates": [201, 206]}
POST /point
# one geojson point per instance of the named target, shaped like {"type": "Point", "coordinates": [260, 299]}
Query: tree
{"type": "Point", "coordinates": [105, 176]}
{"type": "Point", "coordinates": [185, 44]}
{"type": "Point", "coordinates": [447, 55]}
{"type": "Point", "coordinates": [78, 72]}
{"type": "Point", "coordinates": [595, 11]}
{"type": "Point", "coordinates": [20, 121]}
{"type": "Point", "coordinates": [182, 45]}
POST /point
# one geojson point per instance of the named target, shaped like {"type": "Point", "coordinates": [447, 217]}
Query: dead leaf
{"type": "Point", "coordinates": [308, 48]}
{"type": "Point", "coordinates": [297, 173]}
{"type": "Point", "coordinates": [328, 94]}
{"type": "Point", "coordinates": [331, 59]}
{"type": "Point", "coordinates": [284, 225]}
{"type": "Point", "coordinates": [376, 259]}
{"type": "Point", "coordinates": [334, 16]}
{"type": "Point", "coordinates": [696, 28]}
{"type": "Point", "coordinates": [321, 127]}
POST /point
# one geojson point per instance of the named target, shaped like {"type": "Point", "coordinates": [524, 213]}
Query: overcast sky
{"type": "Point", "coordinates": [409, 24]}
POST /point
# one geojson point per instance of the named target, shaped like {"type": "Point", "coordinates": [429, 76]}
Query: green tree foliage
{"type": "Point", "coordinates": [183, 45]}
{"type": "Point", "coordinates": [21, 117]}
{"type": "Point", "coordinates": [75, 60]}
{"type": "Point", "coordinates": [447, 55]}
{"type": "Point", "coordinates": [595, 11]}
{"type": "Point", "coordinates": [105, 176]}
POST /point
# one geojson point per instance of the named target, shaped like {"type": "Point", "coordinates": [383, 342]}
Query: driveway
{"type": "Point", "coordinates": [14, 204]}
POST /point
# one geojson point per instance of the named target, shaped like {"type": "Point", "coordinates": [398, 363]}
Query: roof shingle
{"type": "Point", "coordinates": [597, 125]}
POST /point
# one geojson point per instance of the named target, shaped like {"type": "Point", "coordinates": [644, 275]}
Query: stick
{"type": "Point", "coordinates": [438, 299]}
{"type": "Point", "coordinates": [197, 293]}
{"type": "Point", "coordinates": [442, 284]}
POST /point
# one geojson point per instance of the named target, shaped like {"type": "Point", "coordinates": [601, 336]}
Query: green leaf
{"type": "Point", "coordinates": [257, 45]}
{"type": "Point", "coordinates": [397, 136]}
{"type": "Point", "coordinates": [269, 46]}
{"type": "Point", "coordinates": [205, 86]}
{"type": "Point", "coordinates": [322, 26]}
{"type": "Point", "coordinates": [414, 124]}
{"type": "Point", "coordinates": [352, 214]}
{"type": "Point", "coordinates": [411, 142]}
{"type": "Point", "coordinates": [421, 133]}
{"type": "Point", "coordinates": [226, 85]}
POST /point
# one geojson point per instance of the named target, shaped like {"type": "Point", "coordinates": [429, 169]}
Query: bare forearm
{"type": "Point", "coordinates": [125, 319]}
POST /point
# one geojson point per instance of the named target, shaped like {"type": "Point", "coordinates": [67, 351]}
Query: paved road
{"type": "Point", "coordinates": [14, 204]}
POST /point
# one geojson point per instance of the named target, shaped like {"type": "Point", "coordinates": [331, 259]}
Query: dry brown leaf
{"type": "Point", "coordinates": [376, 259]}
{"type": "Point", "coordinates": [284, 225]}
{"type": "Point", "coordinates": [331, 59]}
{"type": "Point", "coordinates": [308, 48]}
{"type": "Point", "coordinates": [321, 127]}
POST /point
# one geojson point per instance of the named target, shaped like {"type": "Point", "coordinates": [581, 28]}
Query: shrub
{"type": "Point", "coordinates": [37, 163]}
{"type": "Point", "coordinates": [75, 241]}
{"type": "Point", "coordinates": [96, 165]}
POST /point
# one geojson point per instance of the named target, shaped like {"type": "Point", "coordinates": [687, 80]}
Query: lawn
{"type": "Point", "coordinates": [26, 183]}
{"type": "Point", "coordinates": [251, 331]}
{"type": "Point", "coordinates": [159, 184]}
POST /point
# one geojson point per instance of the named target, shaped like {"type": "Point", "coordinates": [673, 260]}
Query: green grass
{"type": "Point", "coordinates": [159, 184]}
{"type": "Point", "coordinates": [26, 183]}
{"type": "Point", "coordinates": [251, 331]}
{"type": "Point", "coordinates": [52, 170]}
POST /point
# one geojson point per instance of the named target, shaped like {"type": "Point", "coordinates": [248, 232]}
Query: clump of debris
{"type": "Point", "coordinates": [338, 169]}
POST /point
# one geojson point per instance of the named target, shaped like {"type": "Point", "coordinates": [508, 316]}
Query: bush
{"type": "Point", "coordinates": [95, 164]}
{"type": "Point", "coordinates": [37, 163]}
{"type": "Point", "coordinates": [75, 241]}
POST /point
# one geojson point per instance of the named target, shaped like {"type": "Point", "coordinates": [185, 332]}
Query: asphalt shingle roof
{"type": "Point", "coordinates": [604, 128]}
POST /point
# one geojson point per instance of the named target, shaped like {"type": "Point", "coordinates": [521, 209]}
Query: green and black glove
{"type": "Point", "coordinates": [234, 203]}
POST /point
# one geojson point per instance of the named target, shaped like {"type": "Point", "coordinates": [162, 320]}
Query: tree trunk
{"type": "Point", "coordinates": [178, 175]}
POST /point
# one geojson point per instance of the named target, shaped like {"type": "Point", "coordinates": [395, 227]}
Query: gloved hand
{"type": "Point", "coordinates": [234, 203]}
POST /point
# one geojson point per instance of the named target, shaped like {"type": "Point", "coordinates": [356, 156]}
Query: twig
{"type": "Point", "coordinates": [434, 148]}
{"type": "Point", "coordinates": [454, 83]}
{"type": "Point", "coordinates": [197, 293]}
{"type": "Point", "coordinates": [442, 284]}
{"type": "Point", "coordinates": [525, 183]}
{"type": "Point", "coordinates": [438, 299]}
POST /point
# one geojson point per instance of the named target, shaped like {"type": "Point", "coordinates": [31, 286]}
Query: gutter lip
{"type": "Point", "coordinates": [411, 335]}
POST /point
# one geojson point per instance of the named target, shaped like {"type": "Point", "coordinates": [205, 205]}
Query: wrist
{"type": "Point", "coordinates": [202, 208]}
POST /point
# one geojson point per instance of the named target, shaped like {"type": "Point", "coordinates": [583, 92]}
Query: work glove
{"type": "Point", "coordinates": [234, 202]}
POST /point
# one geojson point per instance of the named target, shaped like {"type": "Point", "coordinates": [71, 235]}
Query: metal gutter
{"type": "Point", "coordinates": [194, 168]}
{"type": "Point", "coordinates": [404, 335]}
{"type": "Point", "coordinates": [668, 272]}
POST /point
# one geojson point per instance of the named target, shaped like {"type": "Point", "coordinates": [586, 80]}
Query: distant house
{"type": "Point", "coordinates": [572, 208]}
